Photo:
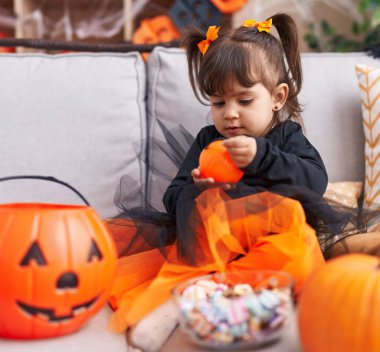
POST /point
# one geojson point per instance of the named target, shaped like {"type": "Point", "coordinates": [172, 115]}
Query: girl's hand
{"type": "Point", "coordinates": [242, 149]}
{"type": "Point", "coordinates": [204, 183]}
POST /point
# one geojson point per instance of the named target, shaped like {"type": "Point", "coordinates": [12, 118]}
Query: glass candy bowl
{"type": "Point", "coordinates": [232, 310]}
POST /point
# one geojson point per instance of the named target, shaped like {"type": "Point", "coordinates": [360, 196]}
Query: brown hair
{"type": "Point", "coordinates": [249, 56]}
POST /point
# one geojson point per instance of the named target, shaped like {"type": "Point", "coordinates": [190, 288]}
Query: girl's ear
{"type": "Point", "coordinates": [279, 96]}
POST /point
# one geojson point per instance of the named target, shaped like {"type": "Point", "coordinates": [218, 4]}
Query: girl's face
{"type": "Point", "coordinates": [243, 111]}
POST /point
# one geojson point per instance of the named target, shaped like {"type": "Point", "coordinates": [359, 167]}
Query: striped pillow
{"type": "Point", "coordinates": [369, 84]}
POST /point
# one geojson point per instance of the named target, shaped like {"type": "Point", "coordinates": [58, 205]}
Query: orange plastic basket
{"type": "Point", "coordinates": [57, 265]}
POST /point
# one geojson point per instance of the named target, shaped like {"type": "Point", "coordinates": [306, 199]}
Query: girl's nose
{"type": "Point", "coordinates": [231, 112]}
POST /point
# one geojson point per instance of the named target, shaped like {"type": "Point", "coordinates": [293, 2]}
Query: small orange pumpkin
{"type": "Point", "coordinates": [57, 265]}
{"type": "Point", "coordinates": [338, 307]}
{"type": "Point", "coordinates": [216, 162]}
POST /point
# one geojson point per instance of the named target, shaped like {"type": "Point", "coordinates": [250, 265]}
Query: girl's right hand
{"type": "Point", "coordinates": [204, 183]}
{"type": "Point", "coordinates": [201, 183]}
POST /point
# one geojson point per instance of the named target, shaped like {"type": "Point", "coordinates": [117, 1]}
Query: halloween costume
{"type": "Point", "coordinates": [269, 220]}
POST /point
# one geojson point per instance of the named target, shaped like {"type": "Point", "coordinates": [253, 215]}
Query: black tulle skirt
{"type": "Point", "coordinates": [331, 221]}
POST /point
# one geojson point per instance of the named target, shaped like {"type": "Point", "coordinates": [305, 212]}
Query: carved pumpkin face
{"type": "Point", "coordinates": [158, 29]}
{"type": "Point", "coordinates": [57, 265]}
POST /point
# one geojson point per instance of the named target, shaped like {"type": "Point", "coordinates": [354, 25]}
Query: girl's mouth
{"type": "Point", "coordinates": [233, 130]}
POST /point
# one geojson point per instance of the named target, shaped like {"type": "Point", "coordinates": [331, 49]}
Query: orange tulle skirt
{"type": "Point", "coordinates": [259, 231]}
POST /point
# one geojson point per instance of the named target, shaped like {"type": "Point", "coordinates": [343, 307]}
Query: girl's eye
{"type": "Point", "coordinates": [218, 103]}
{"type": "Point", "coordinates": [246, 101]}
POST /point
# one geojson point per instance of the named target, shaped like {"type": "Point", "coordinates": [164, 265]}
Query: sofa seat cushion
{"type": "Point", "coordinates": [94, 336]}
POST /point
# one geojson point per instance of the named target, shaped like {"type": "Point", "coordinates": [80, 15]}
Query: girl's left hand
{"type": "Point", "coordinates": [242, 149]}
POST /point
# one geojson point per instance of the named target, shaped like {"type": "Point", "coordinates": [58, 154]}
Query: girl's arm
{"type": "Point", "coordinates": [286, 156]}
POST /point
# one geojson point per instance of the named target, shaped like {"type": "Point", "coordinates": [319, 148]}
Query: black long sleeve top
{"type": "Point", "coordinates": [284, 156]}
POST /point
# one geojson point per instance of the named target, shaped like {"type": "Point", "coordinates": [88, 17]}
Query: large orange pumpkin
{"type": "Point", "coordinates": [57, 264]}
{"type": "Point", "coordinates": [216, 162]}
{"type": "Point", "coordinates": [338, 307]}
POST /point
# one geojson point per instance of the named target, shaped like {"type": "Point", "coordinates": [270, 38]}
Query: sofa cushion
{"type": "Point", "coordinates": [74, 117]}
{"type": "Point", "coordinates": [329, 96]}
{"type": "Point", "coordinates": [172, 101]}
{"type": "Point", "coordinates": [332, 112]}
{"type": "Point", "coordinates": [369, 85]}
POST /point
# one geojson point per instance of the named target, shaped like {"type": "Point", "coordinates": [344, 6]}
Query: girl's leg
{"type": "Point", "coordinates": [366, 243]}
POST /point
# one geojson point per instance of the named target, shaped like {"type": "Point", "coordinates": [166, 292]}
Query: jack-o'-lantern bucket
{"type": "Point", "coordinates": [57, 266]}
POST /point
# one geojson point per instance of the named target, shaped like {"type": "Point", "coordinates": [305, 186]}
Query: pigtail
{"type": "Point", "coordinates": [190, 42]}
{"type": "Point", "coordinates": [287, 31]}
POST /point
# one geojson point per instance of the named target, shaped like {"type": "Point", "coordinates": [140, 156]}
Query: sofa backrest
{"type": "Point", "coordinates": [330, 97]}
{"type": "Point", "coordinates": [332, 112]}
{"type": "Point", "coordinates": [80, 118]}
{"type": "Point", "coordinates": [74, 117]}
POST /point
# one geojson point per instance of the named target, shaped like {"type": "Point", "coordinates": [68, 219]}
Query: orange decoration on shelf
{"type": "Point", "coordinates": [57, 266]}
{"type": "Point", "coordinates": [338, 307]}
{"type": "Point", "coordinates": [229, 6]}
{"type": "Point", "coordinates": [216, 162]}
{"type": "Point", "coordinates": [5, 49]}
{"type": "Point", "coordinates": [154, 30]}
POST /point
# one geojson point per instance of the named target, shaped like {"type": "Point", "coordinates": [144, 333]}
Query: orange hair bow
{"type": "Point", "coordinates": [211, 35]}
{"type": "Point", "coordinates": [261, 26]}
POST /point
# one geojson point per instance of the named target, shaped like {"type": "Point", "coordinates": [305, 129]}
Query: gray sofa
{"type": "Point", "coordinates": [81, 118]}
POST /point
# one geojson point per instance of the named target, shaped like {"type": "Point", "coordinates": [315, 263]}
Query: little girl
{"type": "Point", "coordinates": [253, 95]}
{"type": "Point", "coordinates": [252, 81]}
